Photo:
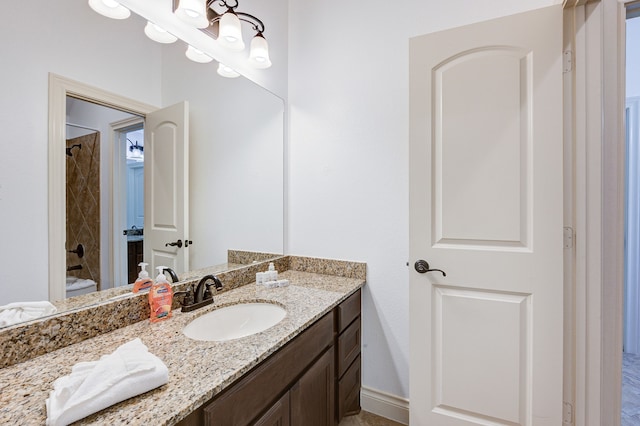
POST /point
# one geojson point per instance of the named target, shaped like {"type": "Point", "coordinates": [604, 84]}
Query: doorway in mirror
{"type": "Point", "coordinates": [133, 140]}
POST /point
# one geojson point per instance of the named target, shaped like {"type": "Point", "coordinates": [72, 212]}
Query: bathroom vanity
{"type": "Point", "coordinates": [312, 380]}
{"type": "Point", "coordinates": [305, 370]}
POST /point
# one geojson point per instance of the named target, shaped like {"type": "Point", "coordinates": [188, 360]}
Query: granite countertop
{"type": "Point", "coordinates": [197, 370]}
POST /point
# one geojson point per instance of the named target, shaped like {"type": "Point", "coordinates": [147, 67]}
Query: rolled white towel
{"type": "Point", "coordinates": [93, 386]}
{"type": "Point", "coordinates": [24, 311]}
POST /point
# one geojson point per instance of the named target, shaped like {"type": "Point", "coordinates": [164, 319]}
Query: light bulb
{"type": "Point", "coordinates": [193, 12]}
{"type": "Point", "coordinates": [156, 33]}
{"type": "Point", "coordinates": [259, 52]}
{"type": "Point", "coordinates": [230, 32]}
{"type": "Point", "coordinates": [110, 8]}
{"type": "Point", "coordinates": [226, 71]}
{"type": "Point", "coordinates": [197, 55]}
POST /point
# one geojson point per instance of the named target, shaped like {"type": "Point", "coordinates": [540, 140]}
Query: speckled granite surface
{"type": "Point", "coordinates": [104, 312]}
{"type": "Point", "coordinates": [248, 257]}
{"type": "Point", "coordinates": [215, 365]}
{"type": "Point", "coordinates": [116, 308]}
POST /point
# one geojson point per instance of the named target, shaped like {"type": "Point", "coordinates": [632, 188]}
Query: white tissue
{"type": "Point", "coordinates": [24, 311]}
{"type": "Point", "coordinates": [93, 386]}
{"type": "Point", "coordinates": [270, 284]}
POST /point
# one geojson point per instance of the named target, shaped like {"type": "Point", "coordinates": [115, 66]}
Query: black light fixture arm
{"type": "Point", "coordinates": [257, 24]}
{"type": "Point", "coordinates": [135, 146]}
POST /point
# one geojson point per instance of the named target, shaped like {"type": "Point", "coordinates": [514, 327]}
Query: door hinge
{"type": "Point", "coordinates": [568, 237]}
{"type": "Point", "coordinates": [567, 61]}
{"type": "Point", "coordinates": [567, 414]}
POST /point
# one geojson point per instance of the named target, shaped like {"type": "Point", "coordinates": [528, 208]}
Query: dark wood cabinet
{"type": "Point", "coordinates": [314, 380]}
{"type": "Point", "coordinates": [312, 397]}
{"type": "Point", "coordinates": [278, 414]}
{"type": "Point", "coordinates": [135, 255]}
{"type": "Point", "coordinates": [258, 391]}
{"type": "Point", "coordinates": [349, 391]}
{"type": "Point", "coordinates": [348, 365]}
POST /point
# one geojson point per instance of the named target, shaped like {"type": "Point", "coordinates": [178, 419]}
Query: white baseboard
{"type": "Point", "coordinates": [386, 405]}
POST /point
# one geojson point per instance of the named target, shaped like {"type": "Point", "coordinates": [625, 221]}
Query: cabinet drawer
{"type": "Point", "coordinates": [349, 391]}
{"type": "Point", "coordinates": [349, 343]}
{"type": "Point", "coordinates": [348, 310]}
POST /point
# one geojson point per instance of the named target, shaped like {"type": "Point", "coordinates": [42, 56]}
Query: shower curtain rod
{"type": "Point", "coordinates": [82, 127]}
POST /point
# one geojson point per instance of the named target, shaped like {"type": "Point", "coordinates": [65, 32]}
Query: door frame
{"type": "Point", "coordinates": [118, 198]}
{"type": "Point", "coordinates": [59, 88]}
{"type": "Point", "coordinates": [631, 315]}
{"type": "Point", "coordinates": [595, 120]}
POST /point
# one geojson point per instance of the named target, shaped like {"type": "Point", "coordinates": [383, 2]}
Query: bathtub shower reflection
{"type": "Point", "coordinates": [78, 286]}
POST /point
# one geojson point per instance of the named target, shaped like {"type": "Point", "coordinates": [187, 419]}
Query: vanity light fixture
{"type": "Point", "coordinates": [230, 32]}
{"type": "Point", "coordinates": [135, 151]}
{"type": "Point", "coordinates": [156, 33]}
{"type": "Point", "coordinates": [217, 18]}
{"type": "Point", "coordinates": [110, 9]}
{"type": "Point", "coordinates": [224, 25]}
{"type": "Point", "coordinates": [197, 56]}
{"type": "Point", "coordinates": [226, 71]}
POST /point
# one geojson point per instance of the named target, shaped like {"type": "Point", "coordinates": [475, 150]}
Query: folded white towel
{"type": "Point", "coordinates": [93, 386]}
{"type": "Point", "coordinates": [24, 311]}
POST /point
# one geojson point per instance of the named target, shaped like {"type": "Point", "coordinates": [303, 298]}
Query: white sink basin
{"type": "Point", "coordinates": [235, 321]}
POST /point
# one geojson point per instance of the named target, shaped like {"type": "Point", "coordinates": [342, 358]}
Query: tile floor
{"type": "Point", "coordinates": [367, 419]}
{"type": "Point", "coordinates": [630, 390]}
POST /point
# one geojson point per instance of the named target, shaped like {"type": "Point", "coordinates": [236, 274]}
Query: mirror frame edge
{"type": "Point", "coordinates": [59, 88]}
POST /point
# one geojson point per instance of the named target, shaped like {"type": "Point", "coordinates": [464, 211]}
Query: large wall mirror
{"type": "Point", "coordinates": [236, 134]}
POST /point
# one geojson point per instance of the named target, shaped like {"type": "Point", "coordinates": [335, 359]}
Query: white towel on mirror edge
{"type": "Point", "coordinates": [24, 311]}
{"type": "Point", "coordinates": [93, 386]}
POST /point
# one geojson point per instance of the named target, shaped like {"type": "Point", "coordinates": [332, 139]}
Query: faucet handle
{"type": "Point", "coordinates": [208, 294]}
{"type": "Point", "coordinates": [188, 295]}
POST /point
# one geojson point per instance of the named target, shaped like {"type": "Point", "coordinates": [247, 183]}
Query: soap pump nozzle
{"type": "Point", "coordinates": [143, 272]}
{"type": "Point", "coordinates": [161, 277]}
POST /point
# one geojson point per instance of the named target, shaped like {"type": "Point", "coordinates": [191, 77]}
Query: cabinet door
{"type": "Point", "coordinates": [278, 414]}
{"type": "Point", "coordinates": [349, 391]}
{"type": "Point", "coordinates": [312, 397]}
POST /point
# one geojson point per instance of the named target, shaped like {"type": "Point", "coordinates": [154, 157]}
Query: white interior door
{"type": "Point", "coordinates": [486, 207]}
{"type": "Point", "coordinates": [135, 195]}
{"type": "Point", "coordinates": [631, 340]}
{"type": "Point", "coordinates": [166, 197]}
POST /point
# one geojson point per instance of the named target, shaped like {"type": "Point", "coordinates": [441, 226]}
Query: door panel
{"type": "Point", "coordinates": [167, 198]}
{"type": "Point", "coordinates": [486, 207]}
{"type": "Point", "coordinates": [482, 169]}
{"type": "Point", "coordinates": [470, 328]}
